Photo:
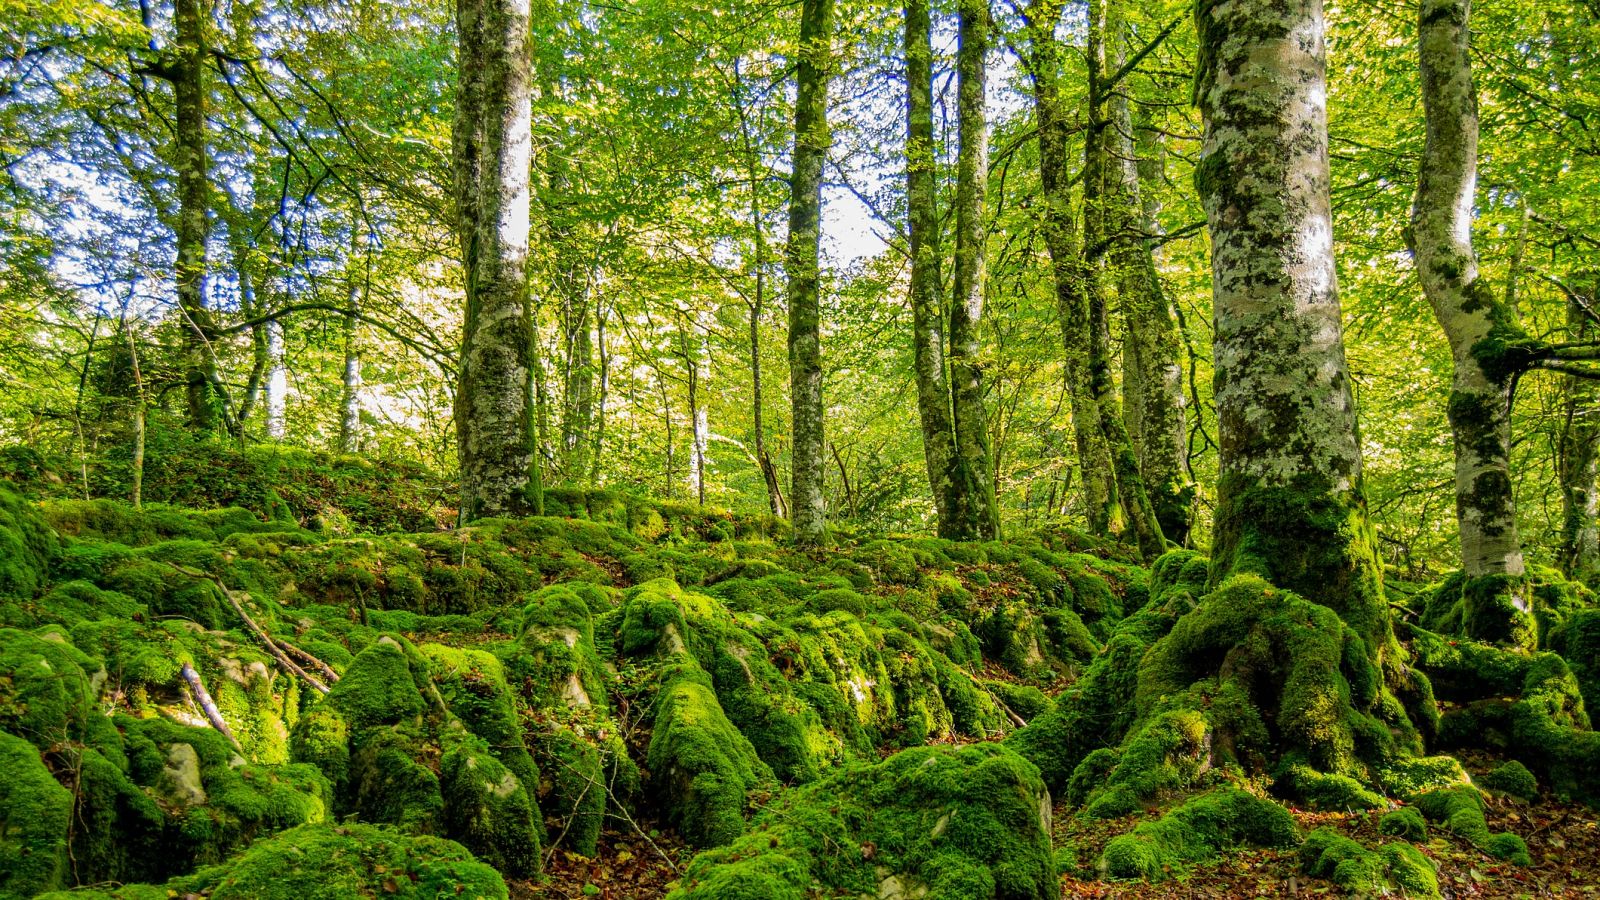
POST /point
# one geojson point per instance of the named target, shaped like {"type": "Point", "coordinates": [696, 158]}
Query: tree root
{"type": "Point", "coordinates": [203, 698]}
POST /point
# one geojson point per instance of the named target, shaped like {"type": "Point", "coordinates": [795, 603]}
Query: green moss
{"type": "Point", "coordinates": [332, 862]}
{"type": "Point", "coordinates": [487, 808]}
{"type": "Point", "coordinates": [35, 815]}
{"type": "Point", "coordinates": [1406, 778]}
{"type": "Point", "coordinates": [1324, 791]}
{"type": "Point", "coordinates": [1508, 847]}
{"type": "Point", "coordinates": [1027, 701]}
{"type": "Point", "coordinates": [378, 688]}
{"type": "Point", "coordinates": [1328, 854]}
{"type": "Point", "coordinates": [1167, 754]}
{"type": "Point", "coordinates": [951, 823]}
{"type": "Point", "coordinates": [27, 547]}
{"type": "Point", "coordinates": [701, 765]}
{"type": "Point", "coordinates": [1405, 823]}
{"type": "Point", "coordinates": [576, 798]}
{"type": "Point", "coordinates": [1459, 810]}
{"type": "Point", "coordinates": [473, 686]}
{"type": "Point", "coordinates": [1194, 832]}
{"type": "Point", "coordinates": [1512, 778]}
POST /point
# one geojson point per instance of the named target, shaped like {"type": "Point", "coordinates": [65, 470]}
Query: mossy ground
{"type": "Point", "coordinates": [588, 694]}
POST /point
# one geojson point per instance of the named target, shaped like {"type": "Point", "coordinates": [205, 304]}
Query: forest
{"type": "Point", "coordinates": [784, 449]}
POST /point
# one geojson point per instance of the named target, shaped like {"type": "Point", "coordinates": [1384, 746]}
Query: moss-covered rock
{"type": "Point", "coordinates": [1363, 872]}
{"type": "Point", "coordinates": [27, 547]}
{"type": "Point", "coordinates": [1512, 778]}
{"type": "Point", "coordinates": [1405, 823]}
{"type": "Point", "coordinates": [35, 815]}
{"type": "Point", "coordinates": [330, 862]}
{"type": "Point", "coordinates": [1195, 831]}
{"type": "Point", "coordinates": [487, 808]}
{"type": "Point", "coordinates": [930, 822]}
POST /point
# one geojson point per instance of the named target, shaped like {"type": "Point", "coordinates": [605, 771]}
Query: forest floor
{"type": "Point", "coordinates": [1563, 838]}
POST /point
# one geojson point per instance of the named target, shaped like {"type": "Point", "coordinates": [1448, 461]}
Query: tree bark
{"type": "Point", "coordinates": [802, 261]}
{"type": "Point", "coordinates": [350, 378]}
{"type": "Point", "coordinates": [1105, 221]}
{"type": "Point", "coordinates": [492, 158]}
{"type": "Point", "coordinates": [922, 219]}
{"type": "Point", "coordinates": [275, 390]}
{"type": "Point", "coordinates": [1290, 505]}
{"type": "Point", "coordinates": [972, 513]}
{"type": "Point", "coordinates": [1067, 264]}
{"type": "Point", "coordinates": [1152, 376]}
{"type": "Point", "coordinates": [1476, 323]}
{"type": "Point", "coordinates": [1578, 461]}
{"type": "Point", "coordinates": [190, 159]}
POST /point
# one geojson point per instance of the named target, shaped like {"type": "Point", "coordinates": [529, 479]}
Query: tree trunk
{"type": "Point", "coordinates": [191, 161]}
{"type": "Point", "coordinates": [802, 261]}
{"type": "Point", "coordinates": [1578, 462]}
{"type": "Point", "coordinates": [1067, 264]}
{"type": "Point", "coordinates": [1105, 220]}
{"type": "Point", "coordinates": [922, 219]}
{"type": "Point", "coordinates": [1475, 322]}
{"type": "Point", "coordinates": [597, 449]}
{"type": "Point", "coordinates": [1152, 376]}
{"type": "Point", "coordinates": [350, 380]}
{"type": "Point", "coordinates": [972, 514]}
{"type": "Point", "coordinates": [276, 388]}
{"type": "Point", "coordinates": [492, 159]}
{"type": "Point", "coordinates": [1289, 501]}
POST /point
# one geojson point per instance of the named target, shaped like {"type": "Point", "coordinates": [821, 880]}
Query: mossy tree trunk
{"type": "Point", "coordinates": [350, 377]}
{"type": "Point", "coordinates": [1476, 323]}
{"type": "Point", "coordinates": [1578, 460]}
{"type": "Point", "coordinates": [1072, 278]}
{"type": "Point", "coordinates": [1152, 378]}
{"type": "Point", "coordinates": [192, 162]}
{"type": "Point", "coordinates": [1105, 222]}
{"type": "Point", "coordinates": [492, 162]}
{"type": "Point", "coordinates": [973, 515]}
{"type": "Point", "coordinates": [1289, 500]}
{"type": "Point", "coordinates": [803, 263]}
{"type": "Point", "coordinates": [922, 219]}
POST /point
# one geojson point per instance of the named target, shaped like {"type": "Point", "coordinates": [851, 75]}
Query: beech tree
{"type": "Point", "coordinates": [493, 145]}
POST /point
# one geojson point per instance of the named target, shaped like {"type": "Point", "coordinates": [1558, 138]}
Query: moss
{"type": "Point", "coordinates": [35, 815]}
{"type": "Point", "coordinates": [1512, 778]}
{"type": "Point", "coordinates": [1090, 775]}
{"type": "Point", "coordinates": [487, 808]}
{"type": "Point", "coordinates": [1195, 831]}
{"type": "Point", "coordinates": [391, 781]}
{"type": "Point", "coordinates": [378, 688]}
{"type": "Point", "coordinates": [473, 686]}
{"type": "Point", "coordinates": [1328, 854]}
{"type": "Point", "coordinates": [951, 823]}
{"type": "Point", "coordinates": [701, 765]}
{"type": "Point", "coordinates": [1459, 810]}
{"type": "Point", "coordinates": [576, 796]}
{"type": "Point", "coordinates": [1508, 847]}
{"type": "Point", "coordinates": [27, 547]}
{"type": "Point", "coordinates": [1167, 754]}
{"type": "Point", "coordinates": [1324, 791]}
{"type": "Point", "coordinates": [1406, 778]}
{"type": "Point", "coordinates": [1405, 823]}
{"type": "Point", "coordinates": [1027, 701]}
{"type": "Point", "coordinates": [327, 862]}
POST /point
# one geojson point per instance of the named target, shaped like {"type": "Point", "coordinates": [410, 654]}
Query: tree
{"type": "Point", "coordinates": [1484, 336]}
{"type": "Point", "coordinates": [808, 507]}
{"type": "Point", "coordinates": [1290, 506]}
{"type": "Point", "coordinates": [491, 166]}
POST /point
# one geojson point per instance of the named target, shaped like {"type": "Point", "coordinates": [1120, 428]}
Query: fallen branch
{"type": "Point", "coordinates": [203, 698]}
{"type": "Point", "coordinates": [324, 668]}
{"type": "Point", "coordinates": [260, 633]}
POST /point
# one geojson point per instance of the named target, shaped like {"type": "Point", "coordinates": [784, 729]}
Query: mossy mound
{"type": "Point", "coordinates": [1405, 823]}
{"type": "Point", "coordinates": [930, 822]}
{"type": "Point", "coordinates": [1196, 831]}
{"type": "Point", "coordinates": [399, 755]}
{"type": "Point", "coordinates": [35, 813]}
{"type": "Point", "coordinates": [329, 862]}
{"type": "Point", "coordinates": [1389, 868]}
{"type": "Point", "coordinates": [27, 547]}
{"type": "Point", "coordinates": [1512, 778]}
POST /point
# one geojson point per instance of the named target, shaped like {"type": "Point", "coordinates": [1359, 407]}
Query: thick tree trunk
{"type": "Point", "coordinates": [492, 159]}
{"type": "Point", "coordinates": [1071, 275]}
{"type": "Point", "coordinates": [922, 219]}
{"type": "Point", "coordinates": [1578, 463]}
{"type": "Point", "coordinates": [190, 159]}
{"type": "Point", "coordinates": [1105, 221]}
{"type": "Point", "coordinates": [1152, 377]}
{"type": "Point", "coordinates": [1476, 323]}
{"type": "Point", "coordinates": [972, 514]}
{"type": "Point", "coordinates": [802, 261]}
{"type": "Point", "coordinates": [1290, 505]}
